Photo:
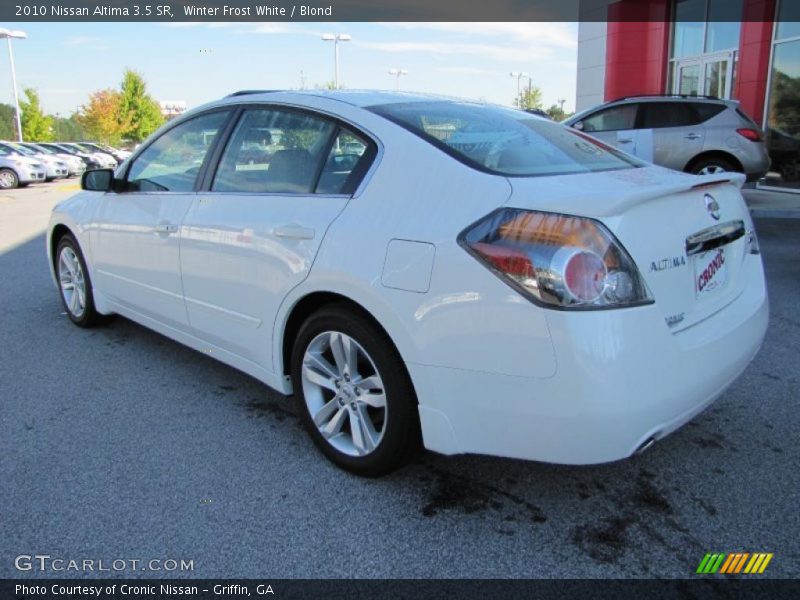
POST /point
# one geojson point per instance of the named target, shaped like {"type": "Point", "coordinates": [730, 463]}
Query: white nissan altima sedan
{"type": "Point", "coordinates": [414, 268]}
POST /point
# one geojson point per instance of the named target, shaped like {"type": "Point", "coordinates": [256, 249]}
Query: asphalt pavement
{"type": "Point", "coordinates": [117, 443]}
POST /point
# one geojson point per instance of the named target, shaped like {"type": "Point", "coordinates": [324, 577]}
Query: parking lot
{"type": "Point", "coordinates": [117, 443]}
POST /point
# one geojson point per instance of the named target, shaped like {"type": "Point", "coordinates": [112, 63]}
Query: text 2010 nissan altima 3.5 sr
{"type": "Point", "coordinates": [416, 268]}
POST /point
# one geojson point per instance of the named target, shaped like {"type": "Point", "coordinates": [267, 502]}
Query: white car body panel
{"type": "Point", "coordinates": [494, 373]}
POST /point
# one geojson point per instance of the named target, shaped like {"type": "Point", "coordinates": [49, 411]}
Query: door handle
{"type": "Point", "coordinates": [295, 232]}
{"type": "Point", "coordinates": [624, 141]}
{"type": "Point", "coordinates": [165, 228]}
{"type": "Point", "coordinates": [692, 136]}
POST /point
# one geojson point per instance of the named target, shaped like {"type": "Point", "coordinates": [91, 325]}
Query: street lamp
{"type": "Point", "coordinates": [20, 35]}
{"type": "Point", "coordinates": [398, 73]}
{"type": "Point", "coordinates": [519, 75]}
{"type": "Point", "coordinates": [336, 38]}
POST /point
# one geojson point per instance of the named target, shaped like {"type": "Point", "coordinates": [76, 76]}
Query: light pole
{"type": "Point", "coordinates": [336, 38]}
{"type": "Point", "coordinates": [20, 35]}
{"type": "Point", "coordinates": [398, 73]}
{"type": "Point", "coordinates": [519, 75]}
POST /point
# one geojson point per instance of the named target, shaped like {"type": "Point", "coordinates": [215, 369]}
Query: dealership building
{"type": "Point", "coordinates": [747, 50]}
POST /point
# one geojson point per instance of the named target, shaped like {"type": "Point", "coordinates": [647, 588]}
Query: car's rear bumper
{"type": "Point", "coordinates": [622, 379]}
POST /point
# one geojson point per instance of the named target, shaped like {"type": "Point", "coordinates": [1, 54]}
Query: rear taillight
{"type": "Point", "coordinates": [557, 260]}
{"type": "Point", "coordinates": [754, 135]}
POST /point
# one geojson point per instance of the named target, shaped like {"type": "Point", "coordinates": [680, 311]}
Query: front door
{"type": "Point", "coordinates": [614, 125]}
{"type": "Point", "coordinates": [135, 233]}
{"type": "Point", "coordinates": [250, 238]}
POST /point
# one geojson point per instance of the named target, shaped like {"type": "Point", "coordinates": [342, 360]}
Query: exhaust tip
{"type": "Point", "coordinates": [645, 445]}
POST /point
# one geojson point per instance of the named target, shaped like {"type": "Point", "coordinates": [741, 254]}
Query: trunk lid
{"type": "Point", "coordinates": [690, 260]}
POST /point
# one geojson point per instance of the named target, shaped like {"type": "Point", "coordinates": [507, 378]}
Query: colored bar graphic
{"type": "Point", "coordinates": [734, 563]}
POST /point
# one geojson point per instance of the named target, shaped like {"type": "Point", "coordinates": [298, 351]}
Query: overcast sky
{"type": "Point", "coordinates": [198, 62]}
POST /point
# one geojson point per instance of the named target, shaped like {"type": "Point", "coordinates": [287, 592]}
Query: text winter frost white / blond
{"type": "Point", "coordinates": [261, 10]}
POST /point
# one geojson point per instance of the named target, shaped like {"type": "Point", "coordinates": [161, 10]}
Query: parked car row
{"type": "Point", "coordinates": [23, 163]}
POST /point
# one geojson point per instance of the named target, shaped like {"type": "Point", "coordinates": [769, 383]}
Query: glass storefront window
{"type": "Point", "coordinates": [705, 41]}
{"type": "Point", "coordinates": [716, 78]}
{"type": "Point", "coordinates": [783, 121]}
{"type": "Point", "coordinates": [724, 25]}
{"type": "Point", "coordinates": [687, 39]}
{"type": "Point", "coordinates": [788, 20]}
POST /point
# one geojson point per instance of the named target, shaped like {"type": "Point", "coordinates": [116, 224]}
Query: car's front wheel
{"type": "Point", "coordinates": [354, 393]}
{"type": "Point", "coordinates": [8, 179]}
{"type": "Point", "coordinates": [74, 283]}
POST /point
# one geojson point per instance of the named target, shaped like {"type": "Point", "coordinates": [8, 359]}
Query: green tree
{"type": "Point", "coordinates": [36, 126]}
{"type": "Point", "coordinates": [530, 97]}
{"type": "Point", "coordinates": [8, 124]}
{"type": "Point", "coordinates": [556, 113]}
{"type": "Point", "coordinates": [139, 114]}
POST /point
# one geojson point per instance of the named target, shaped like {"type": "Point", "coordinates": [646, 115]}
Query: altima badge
{"type": "Point", "coordinates": [712, 206]}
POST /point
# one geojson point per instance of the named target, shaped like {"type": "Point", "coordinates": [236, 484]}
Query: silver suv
{"type": "Point", "coordinates": [687, 133]}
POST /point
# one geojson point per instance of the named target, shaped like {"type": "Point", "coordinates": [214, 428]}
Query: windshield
{"type": "Point", "coordinates": [505, 141]}
{"type": "Point", "coordinates": [9, 149]}
{"type": "Point", "coordinates": [23, 150]}
{"type": "Point", "coordinates": [43, 149]}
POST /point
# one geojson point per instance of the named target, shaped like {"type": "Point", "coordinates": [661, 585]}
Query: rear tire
{"type": "Point", "coordinates": [74, 283]}
{"type": "Point", "coordinates": [353, 392]}
{"type": "Point", "coordinates": [712, 166]}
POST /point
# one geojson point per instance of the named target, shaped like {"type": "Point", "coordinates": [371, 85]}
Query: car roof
{"type": "Point", "coordinates": [360, 98]}
{"type": "Point", "coordinates": [651, 98]}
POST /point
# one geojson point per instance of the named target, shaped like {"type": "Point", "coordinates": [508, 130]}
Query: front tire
{"type": "Point", "coordinates": [8, 179]}
{"type": "Point", "coordinates": [74, 283]}
{"type": "Point", "coordinates": [354, 394]}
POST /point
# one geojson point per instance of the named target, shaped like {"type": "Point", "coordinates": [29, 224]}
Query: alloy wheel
{"type": "Point", "coordinates": [711, 170]}
{"type": "Point", "coordinates": [344, 393]}
{"type": "Point", "coordinates": [72, 282]}
{"type": "Point", "coordinates": [7, 180]}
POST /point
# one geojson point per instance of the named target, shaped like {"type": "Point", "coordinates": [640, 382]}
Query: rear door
{"type": "Point", "coordinates": [253, 233]}
{"type": "Point", "coordinates": [677, 135]}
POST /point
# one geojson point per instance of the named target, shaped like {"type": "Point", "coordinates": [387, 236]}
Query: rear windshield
{"type": "Point", "coordinates": [505, 141]}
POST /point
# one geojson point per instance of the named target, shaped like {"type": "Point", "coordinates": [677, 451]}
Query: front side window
{"type": "Point", "coordinates": [274, 151]}
{"type": "Point", "coordinates": [504, 141]}
{"type": "Point", "coordinates": [611, 119]}
{"type": "Point", "coordinates": [173, 161]}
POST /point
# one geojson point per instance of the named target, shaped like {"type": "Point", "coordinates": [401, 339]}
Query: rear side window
{"type": "Point", "coordinates": [280, 151]}
{"type": "Point", "coordinates": [348, 160]}
{"type": "Point", "coordinates": [657, 115]}
{"type": "Point", "coordinates": [274, 151]}
{"type": "Point", "coordinates": [707, 110]}
{"type": "Point", "coordinates": [504, 141]}
{"type": "Point", "coordinates": [615, 118]}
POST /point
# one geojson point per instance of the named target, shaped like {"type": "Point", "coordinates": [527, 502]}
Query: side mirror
{"type": "Point", "coordinates": [578, 125]}
{"type": "Point", "coordinates": [97, 180]}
